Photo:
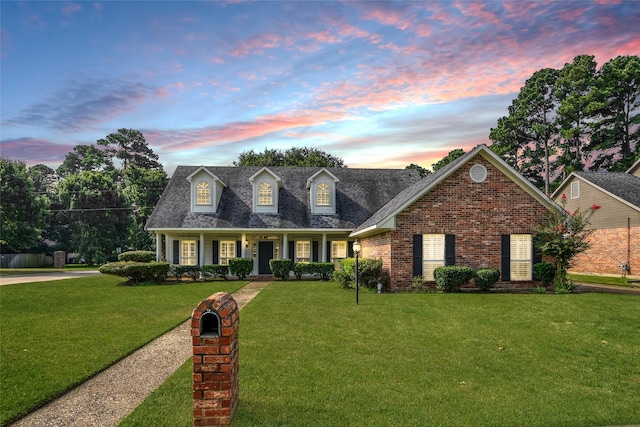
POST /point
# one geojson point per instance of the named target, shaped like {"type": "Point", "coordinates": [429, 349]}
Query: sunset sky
{"type": "Point", "coordinates": [379, 84]}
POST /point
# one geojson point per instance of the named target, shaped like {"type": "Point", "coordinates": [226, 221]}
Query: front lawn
{"type": "Point", "coordinates": [57, 334]}
{"type": "Point", "coordinates": [310, 356]}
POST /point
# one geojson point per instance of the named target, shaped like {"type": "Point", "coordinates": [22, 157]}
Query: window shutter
{"type": "Point", "coordinates": [238, 248]}
{"type": "Point", "coordinates": [216, 252]}
{"type": "Point", "coordinates": [417, 255]}
{"type": "Point", "coordinates": [506, 257]}
{"type": "Point", "coordinates": [176, 252]}
{"type": "Point", "coordinates": [315, 250]}
{"type": "Point", "coordinates": [537, 253]}
{"type": "Point", "coordinates": [198, 252]}
{"type": "Point", "coordinates": [350, 253]}
{"type": "Point", "coordinates": [449, 249]}
{"type": "Point", "coordinates": [328, 251]}
{"type": "Point", "coordinates": [292, 250]}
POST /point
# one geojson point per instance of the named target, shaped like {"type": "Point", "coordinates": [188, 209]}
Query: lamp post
{"type": "Point", "coordinates": [356, 250]}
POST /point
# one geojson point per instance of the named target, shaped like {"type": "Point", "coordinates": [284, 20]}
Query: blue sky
{"type": "Point", "coordinates": [379, 84]}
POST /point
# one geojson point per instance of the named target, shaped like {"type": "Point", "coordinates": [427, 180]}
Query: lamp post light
{"type": "Point", "coordinates": [356, 250]}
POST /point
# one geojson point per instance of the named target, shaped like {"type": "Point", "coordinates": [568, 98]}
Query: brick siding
{"type": "Point", "coordinates": [609, 249]}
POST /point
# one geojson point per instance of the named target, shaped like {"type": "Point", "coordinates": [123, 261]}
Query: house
{"type": "Point", "coordinates": [616, 238]}
{"type": "Point", "coordinates": [476, 211]}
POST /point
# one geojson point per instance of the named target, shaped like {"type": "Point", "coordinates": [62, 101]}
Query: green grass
{"type": "Point", "coordinates": [601, 280]}
{"type": "Point", "coordinates": [309, 356]}
{"type": "Point", "coordinates": [57, 334]}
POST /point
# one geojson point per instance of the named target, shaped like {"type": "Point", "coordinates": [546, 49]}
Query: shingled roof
{"type": "Point", "coordinates": [624, 186]}
{"type": "Point", "coordinates": [359, 194]}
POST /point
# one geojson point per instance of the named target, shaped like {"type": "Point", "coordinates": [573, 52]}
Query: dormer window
{"type": "Point", "coordinates": [265, 194]}
{"type": "Point", "coordinates": [323, 197]}
{"type": "Point", "coordinates": [203, 193]}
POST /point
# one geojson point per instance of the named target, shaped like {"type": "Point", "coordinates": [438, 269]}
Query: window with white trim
{"type": "Point", "coordinates": [521, 250]}
{"type": "Point", "coordinates": [188, 253]}
{"type": "Point", "coordinates": [432, 254]}
{"type": "Point", "coordinates": [265, 194]}
{"type": "Point", "coordinates": [203, 193]}
{"type": "Point", "coordinates": [575, 190]}
{"type": "Point", "coordinates": [303, 251]}
{"type": "Point", "coordinates": [227, 250]}
{"type": "Point", "coordinates": [323, 194]}
{"type": "Point", "coordinates": [338, 249]}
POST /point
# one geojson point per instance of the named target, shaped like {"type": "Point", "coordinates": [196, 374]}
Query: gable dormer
{"type": "Point", "coordinates": [322, 192]}
{"type": "Point", "coordinates": [266, 186]}
{"type": "Point", "coordinates": [206, 190]}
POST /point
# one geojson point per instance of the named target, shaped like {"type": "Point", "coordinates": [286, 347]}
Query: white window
{"type": "Point", "coordinates": [323, 194]}
{"type": "Point", "coordinates": [265, 194]}
{"type": "Point", "coordinates": [203, 193]}
{"type": "Point", "coordinates": [303, 251]}
{"type": "Point", "coordinates": [432, 254]}
{"type": "Point", "coordinates": [520, 256]}
{"type": "Point", "coordinates": [188, 255]}
{"type": "Point", "coordinates": [338, 250]}
{"type": "Point", "coordinates": [575, 190]}
{"type": "Point", "coordinates": [227, 250]}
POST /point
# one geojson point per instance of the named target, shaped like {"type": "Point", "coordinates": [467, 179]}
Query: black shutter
{"type": "Point", "coordinates": [506, 257]}
{"type": "Point", "coordinates": [216, 252]}
{"type": "Point", "coordinates": [316, 252]}
{"type": "Point", "coordinates": [198, 252]}
{"type": "Point", "coordinates": [537, 253]}
{"type": "Point", "coordinates": [417, 255]}
{"type": "Point", "coordinates": [350, 253]}
{"type": "Point", "coordinates": [176, 252]}
{"type": "Point", "coordinates": [238, 248]}
{"type": "Point", "coordinates": [328, 251]}
{"type": "Point", "coordinates": [449, 249]}
{"type": "Point", "coordinates": [292, 250]}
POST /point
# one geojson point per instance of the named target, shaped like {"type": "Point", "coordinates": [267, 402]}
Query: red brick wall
{"type": "Point", "coordinates": [608, 250]}
{"type": "Point", "coordinates": [476, 213]}
{"type": "Point", "coordinates": [215, 363]}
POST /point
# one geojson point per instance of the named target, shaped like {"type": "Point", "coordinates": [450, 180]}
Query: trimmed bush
{"type": "Point", "coordinates": [189, 271]}
{"type": "Point", "coordinates": [486, 278]}
{"type": "Point", "coordinates": [322, 269]}
{"type": "Point", "coordinates": [450, 278]}
{"type": "Point", "coordinates": [281, 267]}
{"type": "Point", "coordinates": [137, 272]}
{"type": "Point", "coordinates": [544, 272]}
{"type": "Point", "coordinates": [370, 273]}
{"type": "Point", "coordinates": [216, 270]}
{"type": "Point", "coordinates": [240, 267]}
{"type": "Point", "coordinates": [137, 256]}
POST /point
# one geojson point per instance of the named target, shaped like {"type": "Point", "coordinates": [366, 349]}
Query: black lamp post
{"type": "Point", "coordinates": [356, 250]}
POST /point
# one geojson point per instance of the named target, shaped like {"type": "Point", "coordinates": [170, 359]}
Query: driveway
{"type": "Point", "coordinates": [45, 277]}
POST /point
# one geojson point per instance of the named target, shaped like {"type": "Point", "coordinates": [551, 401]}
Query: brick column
{"type": "Point", "coordinates": [214, 330]}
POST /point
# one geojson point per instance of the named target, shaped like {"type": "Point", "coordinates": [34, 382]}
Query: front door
{"type": "Point", "coordinates": [265, 253]}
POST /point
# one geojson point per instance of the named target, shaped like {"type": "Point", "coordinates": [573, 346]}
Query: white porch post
{"type": "Point", "coordinates": [158, 247]}
{"type": "Point", "coordinates": [323, 257]}
{"type": "Point", "coordinates": [285, 245]}
{"type": "Point", "coordinates": [244, 245]}
{"type": "Point", "coordinates": [201, 255]}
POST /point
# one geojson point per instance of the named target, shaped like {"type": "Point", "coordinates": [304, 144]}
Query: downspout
{"type": "Point", "coordinates": [629, 243]}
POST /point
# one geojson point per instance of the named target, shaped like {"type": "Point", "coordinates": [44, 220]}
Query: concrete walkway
{"type": "Point", "coordinates": [45, 277]}
{"type": "Point", "coordinates": [107, 398]}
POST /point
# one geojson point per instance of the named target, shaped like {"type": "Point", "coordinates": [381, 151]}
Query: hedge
{"type": "Point", "coordinates": [241, 267]}
{"type": "Point", "coordinates": [322, 269]}
{"type": "Point", "coordinates": [450, 278]}
{"type": "Point", "coordinates": [137, 256]}
{"type": "Point", "coordinates": [137, 272]}
{"type": "Point", "coordinates": [281, 267]}
{"type": "Point", "coordinates": [486, 278]}
{"type": "Point", "coordinates": [216, 270]}
{"type": "Point", "coordinates": [370, 273]}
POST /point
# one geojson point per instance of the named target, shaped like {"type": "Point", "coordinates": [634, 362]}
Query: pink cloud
{"type": "Point", "coordinates": [257, 44]}
{"type": "Point", "coordinates": [34, 151]}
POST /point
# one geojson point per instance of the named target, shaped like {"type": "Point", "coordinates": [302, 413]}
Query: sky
{"type": "Point", "coordinates": [379, 84]}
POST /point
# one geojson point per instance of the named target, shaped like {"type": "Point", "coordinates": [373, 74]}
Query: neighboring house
{"type": "Point", "coordinates": [616, 238]}
{"type": "Point", "coordinates": [476, 211]}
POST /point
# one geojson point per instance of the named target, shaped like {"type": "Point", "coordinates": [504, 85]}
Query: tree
{"type": "Point", "coordinates": [22, 209]}
{"type": "Point", "coordinates": [616, 104]}
{"type": "Point", "coordinates": [309, 157]}
{"type": "Point", "coordinates": [421, 171]}
{"type": "Point", "coordinates": [453, 154]}
{"type": "Point", "coordinates": [563, 235]}
{"type": "Point", "coordinates": [130, 146]}
{"type": "Point", "coordinates": [85, 158]}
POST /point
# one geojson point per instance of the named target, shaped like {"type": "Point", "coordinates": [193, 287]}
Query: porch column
{"type": "Point", "coordinates": [323, 258]}
{"type": "Point", "coordinates": [244, 245]}
{"type": "Point", "coordinates": [285, 246]}
{"type": "Point", "coordinates": [158, 247]}
{"type": "Point", "coordinates": [201, 255]}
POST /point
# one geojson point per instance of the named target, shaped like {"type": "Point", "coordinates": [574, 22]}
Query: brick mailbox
{"type": "Point", "coordinates": [214, 331]}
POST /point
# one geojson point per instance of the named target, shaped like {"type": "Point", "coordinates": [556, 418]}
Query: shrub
{"type": "Point", "coordinates": [370, 273]}
{"type": "Point", "coordinates": [190, 271]}
{"type": "Point", "coordinates": [216, 270]}
{"type": "Point", "coordinates": [137, 272]}
{"type": "Point", "coordinates": [486, 278]}
{"type": "Point", "coordinates": [137, 256]}
{"type": "Point", "coordinates": [544, 272]}
{"type": "Point", "coordinates": [450, 278]}
{"type": "Point", "coordinates": [322, 269]}
{"type": "Point", "coordinates": [281, 267]}
{"type": "Point", "coordinates": [241, 267]}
